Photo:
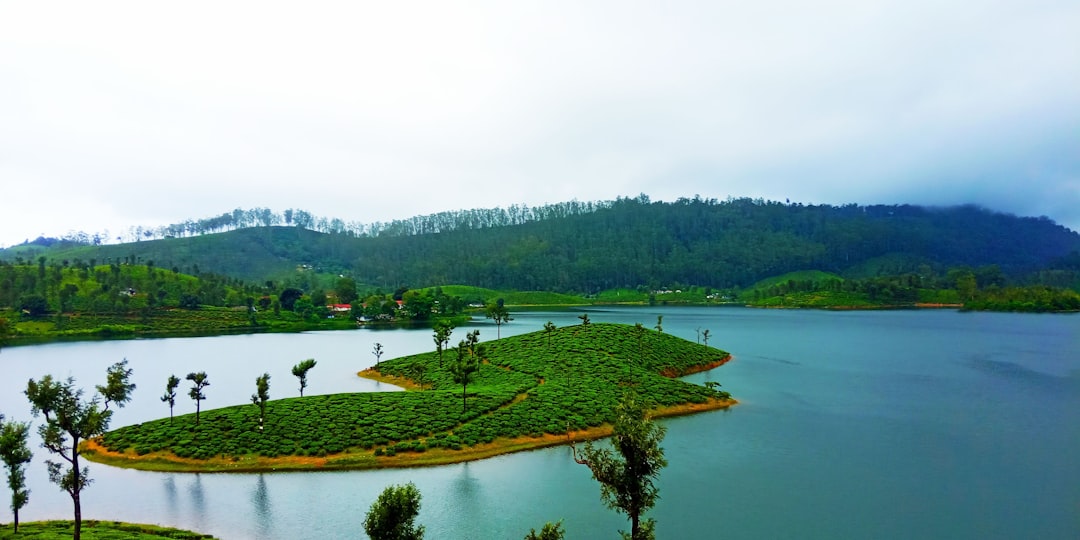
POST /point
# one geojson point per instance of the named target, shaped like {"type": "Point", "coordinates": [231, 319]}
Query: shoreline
{"type": "Point", "coordinates": [364, 459]}
{"type": "Point", "coordinates": [360, 459]}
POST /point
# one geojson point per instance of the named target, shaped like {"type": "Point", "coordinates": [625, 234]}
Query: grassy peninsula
{"type": "Point", "coordinates": [529, 391]}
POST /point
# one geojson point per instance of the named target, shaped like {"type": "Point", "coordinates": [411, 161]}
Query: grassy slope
{"type": "Point", "coordinates": [163, 323]}
{"type": "Point", "coordinates": [513, 298]}
{"type": "Point", "coordinates": [96, 530]}
{"type": "Point", "coordinates": [525, 394]}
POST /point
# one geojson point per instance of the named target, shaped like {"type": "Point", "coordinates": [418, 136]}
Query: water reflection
{"type": "Point", "coordinates": [198, 500]}
{"type": "Point", "coordinates": [468, 491]}
{"type": "Point", "coordinates": [260, 499]}
{"type": "Point", "coordinates": [170, 496]}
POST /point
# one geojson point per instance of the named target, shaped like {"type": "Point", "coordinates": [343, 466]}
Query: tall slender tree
{"type": "Point", "coordinates": [627, 475]}
{"type": "Point", "coordinates": [301, 370]}
{"type": "Point", "coordinates": [549, 329]}
{"type": "Point", "coordinates": [463, 369]}
{"type": "Point", "coordinates": [705, 335]}
{"type": "Point", "coordinates": [199, 381]}
{"type": "Point", "coordinates": [377, 350]}
{"type": "Point", "coordinates": [15, 453]}
{"type": "Point", "coordinates": [500, 315]}
{"type": "Point", "coordinates": [261, 396]}
{"type": "Point", "coordinates": [68, 421]}
{"type": "Point", "coordinates": [170, 394]}
{"type": "Point", "coordinates": [443, 330]}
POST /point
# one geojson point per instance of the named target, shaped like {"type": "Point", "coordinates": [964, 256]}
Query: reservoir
{"type": "Point", "coordinates": [851, 425]}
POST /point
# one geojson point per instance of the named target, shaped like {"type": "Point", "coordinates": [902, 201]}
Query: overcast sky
{"type": "Point", "coordinates": [115, 114]}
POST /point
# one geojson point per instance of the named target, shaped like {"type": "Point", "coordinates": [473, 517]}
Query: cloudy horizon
{"type": "Point", "coordinates": [131, 114]}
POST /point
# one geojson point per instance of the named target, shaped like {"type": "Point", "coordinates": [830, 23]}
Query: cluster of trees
{"type": "Point", "coordinates": [415, 305]}
{"type": "Point", "coordinates": [627, 473]}
{"type": "Point", "coordinates": [114, 287]}
{"type": "Point", "coordinates": [71, 419]}
{"type": "Point", "coordinates": [982, 288]}
{"type": "Point", "coordinates": [729, 244]}
{"type": "Point", "coordinates": [241, 218]}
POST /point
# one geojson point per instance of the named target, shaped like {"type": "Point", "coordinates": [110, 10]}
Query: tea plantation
{"type": "Point", "coordinates": [526, 386]}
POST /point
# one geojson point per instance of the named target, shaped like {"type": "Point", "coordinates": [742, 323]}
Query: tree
{"type": "Point", "coordinates": [68, 421]}
{"type": "Point", "coordinates": [418, 370]}
{"type": "Point", "coordinates": [117, 389]}
{"type": "Point", "coordinates": [705, 336]}
{"type": "Point", "coordinates": [170, 394]}
{"type": "Point", "coordinates": [549, 329]}
{"type": "Point", "coordinates": [627, 475]}
{"type": "Point", "coordinates": [288, 298]}
{"type": "Point", "coordinates": [377, 350]}
{"type": "Point", "coordinates": [392, 516]}
{"type": "Point", "coordinates": [345, 289]}
{"type": "Point", "coordinates": [198, 382]}
{"type": "Point", "coordinates": [660, 323]}
{"type": "Point", "coordinates": [584, 319]}
{"type": "Point", "coordinates": [463, 369]}
{"type": "Point", "coordinates": [442, 337]}
{"type": "Point", "coordinates": [6, 329]}
{"type": "Point", "coordinates": [15, 453]}
{"type": "Point", "coordinates": [550, 531]}
{"type": "Point", "coordinates": [261, 396]}
{"type": "Point", "coordinates": [500, 315]}
{"type": "Point", "coordinates": [301, 370]}
{"type": "Point", "coordinates": [34, 305]}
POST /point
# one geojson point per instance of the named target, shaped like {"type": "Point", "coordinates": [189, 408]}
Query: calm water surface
{"type": "Point", "coordinates": [897, 424]}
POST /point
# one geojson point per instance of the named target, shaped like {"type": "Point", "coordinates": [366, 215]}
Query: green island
{"type": "Point", "coordinates": [97, 530]}
{"type": "Point", "coordinates": [522, 392]}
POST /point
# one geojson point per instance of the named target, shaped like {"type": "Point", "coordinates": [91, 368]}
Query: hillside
{"type": "Point", "coordinates": [624, 243]}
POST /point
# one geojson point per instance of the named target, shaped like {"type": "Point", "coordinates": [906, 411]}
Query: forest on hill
{"type": "Point", "coordinates": [585, 248]}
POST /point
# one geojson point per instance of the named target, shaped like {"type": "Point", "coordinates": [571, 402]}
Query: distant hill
{"type": "Point", "coordinates": [623, 243]}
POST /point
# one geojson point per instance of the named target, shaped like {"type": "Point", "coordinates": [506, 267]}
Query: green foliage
{"type": "Point", "coordinates": [1034, 298]}
{"type": "Point", "coordinates": [170, 393]}
{"type": "Point", "coordinates": [15, 453]}
{"type": "Point", "coordinates": [519, 391]}
{"type": "Point", "coordinates": [261, 396]}
{"type": "Point", "coordinates": [100, 530]}
{"type": "Point", "coordinates": [68, 421]}
{"type": "Point", "coordinates": [199, 381]}
{"type": "Point", "coordinates": [627, 474]}
{"type": "Point", "coordinates": [301, 370]}
{"type": "Point", "coordinates": [117, 388]}
{"type": "Point", "coordinates": [498, 313]}
{"type": "Point", "coordinates": [550, 531]}
{"type": "Point", "coordinates": [392, 516]}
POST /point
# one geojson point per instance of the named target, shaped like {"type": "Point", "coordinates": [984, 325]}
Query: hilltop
{"type": "Point", "coordinates": [587, 248]}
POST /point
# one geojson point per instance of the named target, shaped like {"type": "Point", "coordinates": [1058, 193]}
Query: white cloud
{"type": "Point", "coordinates": [144, 113]}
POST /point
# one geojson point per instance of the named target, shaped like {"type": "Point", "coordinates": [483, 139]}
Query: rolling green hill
{"type": "Point", "coordinates": [627, 243]}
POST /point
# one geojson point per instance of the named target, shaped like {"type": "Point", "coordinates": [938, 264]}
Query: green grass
{"type": "Point", "coordinates": [165, 322]}
{"type": "Point", "coordinates": [96, 530]}
{"type": "Point", "coordinates": [801, 275]}
{"type": "Point", "coordinates": [528, 387]}
{"type": "Point", "coordinates": [513, 298]}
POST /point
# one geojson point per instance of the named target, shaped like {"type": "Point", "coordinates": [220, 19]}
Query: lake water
{"type": "Point", "coordinates": [890, 424]}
